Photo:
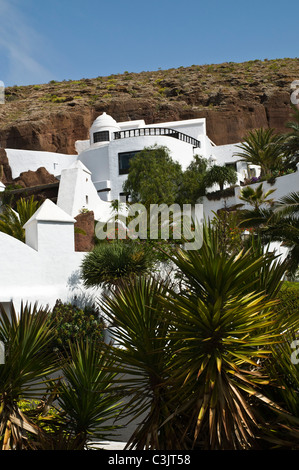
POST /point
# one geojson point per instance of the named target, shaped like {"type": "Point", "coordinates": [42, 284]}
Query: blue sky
{"type": "Point", "coordinates": [43, 40]}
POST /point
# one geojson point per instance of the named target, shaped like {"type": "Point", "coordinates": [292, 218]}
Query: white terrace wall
{"type": "Point", "coordinates": [46, 267]}
{"type": "Point", "coordinates": [283, 186]}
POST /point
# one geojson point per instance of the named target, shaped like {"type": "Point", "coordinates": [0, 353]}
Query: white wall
{"type": "Point", "coordinates": [77, 192]}
{"type": "Point", "coordinates": [283, 186]}
{"type": "Point", "coordinates": [24, 160]}
{"type": "Point", "coordinates": [45, 274]}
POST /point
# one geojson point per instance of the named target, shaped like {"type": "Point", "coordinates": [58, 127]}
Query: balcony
{"type": "Point", "coordinates": [156, 131]}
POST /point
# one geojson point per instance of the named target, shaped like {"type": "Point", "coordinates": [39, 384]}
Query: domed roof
{"type": "Point", "coordinates": [104, 120]}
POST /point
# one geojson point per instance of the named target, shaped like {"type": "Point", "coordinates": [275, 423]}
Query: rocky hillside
{"type": "Point", "coordinates": [233, 97]}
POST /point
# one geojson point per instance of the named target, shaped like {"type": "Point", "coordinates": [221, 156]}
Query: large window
{"type": "Point", "coordinates": [102, 136]}
{"type": "Point", "coordinates": [124, 161]}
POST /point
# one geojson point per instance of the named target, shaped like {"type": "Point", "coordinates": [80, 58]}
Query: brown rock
{"type": "Point", "coordinates": [41, 176]}
{"type": "Point", "coordinates": [84, 242]}
{"type": "Point", "coordinates": [5, 170]}
{"type": "Point", "coordinates": [234, 98]}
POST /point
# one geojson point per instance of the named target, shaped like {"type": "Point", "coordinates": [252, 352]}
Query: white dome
{"type": "Point", "coordinates": [104, 121]}
{"type": "Point", "coordinates": [104, 125]}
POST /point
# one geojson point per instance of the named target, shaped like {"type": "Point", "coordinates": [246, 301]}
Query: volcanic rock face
{"type": "Point", "coordinates": [234, 98]}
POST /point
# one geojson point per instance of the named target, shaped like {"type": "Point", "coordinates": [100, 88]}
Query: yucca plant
{"type": "Point", "coordinates": [223, 331]}
{"type": "Point", "coordinates": [86, 397]}
{"type": "Point", "coordinates": [110, 263]}
{"type": "Point", "coordinates": [28, 363]}
{"type": "Point", "coordinates": [143, 353]}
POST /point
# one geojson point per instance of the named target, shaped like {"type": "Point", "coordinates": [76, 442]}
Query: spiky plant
{"type": "Point", "coordinates": [28, 362]}
{"type": "Point", "coordinates": [12, 221]}
{"type": "Point", "coordinates": [86, 397]}
{"type": "Point", "coordinates": [143, 352]}
{"type": "Point", "coordinates": [109, 263]}
{"type": "Point", "coordinates": [223, 330]}
{"type": "Point", "coordinates": [264, 148]}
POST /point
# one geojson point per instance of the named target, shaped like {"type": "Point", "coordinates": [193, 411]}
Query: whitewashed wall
{"type": "Point", "coordinates": [283, 186]}
{"type": "Point", "coordinates": [48, 272]}
{"type": "Point", "coordinates": [24, 160]}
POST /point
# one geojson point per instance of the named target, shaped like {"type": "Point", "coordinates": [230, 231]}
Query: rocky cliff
{"type": "Point", "coordinates": [234, 98]}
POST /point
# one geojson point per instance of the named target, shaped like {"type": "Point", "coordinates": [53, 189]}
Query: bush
{"type": "Point", "coordinates": [110, 263]}
{"type": "Point", "coordinates": [73, 324]}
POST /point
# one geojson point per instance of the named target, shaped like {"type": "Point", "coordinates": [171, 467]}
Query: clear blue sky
{"type": "Point", "coordinates": [43, 40]}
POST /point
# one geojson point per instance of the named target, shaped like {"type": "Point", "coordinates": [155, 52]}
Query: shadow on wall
{"type": "Point", "coordinates": [79, 296]}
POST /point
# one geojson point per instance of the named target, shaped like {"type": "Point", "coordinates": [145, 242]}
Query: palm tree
{"type": "Point", "coordinates": [195, 354]}
{"type": "Point", "coordinates": [12, 222]}
{"type": "Point", "coordinates": [263, 147]}
{"type": "Point", "coordinates": [262, 207]}
{"type": "Point", "coordinates": [288, 205]}
{"type": "Point", "coordinates": [256, 197]}
{"type": "Point", "coordinates": [220, 175]}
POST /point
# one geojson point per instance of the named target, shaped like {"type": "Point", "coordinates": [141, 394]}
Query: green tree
{"type": "Point", "coordinates": [85, 397]}
{"type": "Point", "coordinates": [220, 175]}
{"type": "Point", "coordinates": [73, 324]}
{"type": "Point", "coordinates": [154, 178]}
{"type": "Point", "coordinates": [193, 184]}
{"type": "Point", "coordinates": [144, 351]}
{"type": "Point", "coordinates": [264, 148]}
{"type": "Point", "coordinates": [196, 354]}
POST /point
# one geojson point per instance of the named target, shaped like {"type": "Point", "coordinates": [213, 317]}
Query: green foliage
{"type": "Point", "coordinates": [72, 324]}
{"type": "Point", "coordinates": [288, 300]}
{"type": "Point", "coordinates": [196, 350]}
{"type": "Point", "coordinates": [230, 233]}
{"type": "Point", "coordinates": [85, 396]}
{"type": "Point", "coordinates": [113, 261]}
{"type": "Point", "coordinates": [220, 175]}
{"type": "Point", "coordinates": [193, 184]}
{"type": "Point", "coordinates": [12, 222]}
{"type": "Point", "coordinates": [27, 364]}
{"type": "Point", "coordinates": [154, 178]}
{"type": "Point", "coordinates": [256, 197]}
{"type": "Point", "coordinates": [264, 148]}
{"type": "Point", "coordinates": [141, 329]}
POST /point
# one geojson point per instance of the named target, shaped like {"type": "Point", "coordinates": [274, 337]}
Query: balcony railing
{"type": "Point", "coordinates": [156, 131]}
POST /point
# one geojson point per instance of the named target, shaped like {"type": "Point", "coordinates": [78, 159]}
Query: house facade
{"type": "Point", "coordinates": [107, 152]}
{"type": "Point", "coordinates": [47, 267]}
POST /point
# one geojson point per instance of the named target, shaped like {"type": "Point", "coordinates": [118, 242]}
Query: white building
{"type": "Point", "coordinates": [105, 158]}
{"type": "Point", "coordinates": [47, 267]}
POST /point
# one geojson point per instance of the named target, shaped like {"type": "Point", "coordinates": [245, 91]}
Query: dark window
{"type": "Point", "coordinates": [124, 162]}
{"type": "Point", "coordinates": [102, 136]}
{"type": "Point", "coordinates": [232, 165]}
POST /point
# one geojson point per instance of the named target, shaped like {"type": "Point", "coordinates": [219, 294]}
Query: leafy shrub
{"type": "Point", "coordinates": [73, 324]}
